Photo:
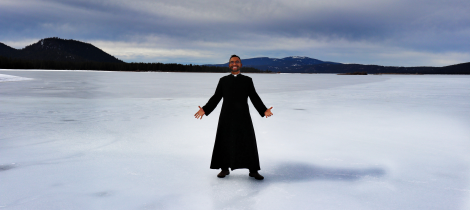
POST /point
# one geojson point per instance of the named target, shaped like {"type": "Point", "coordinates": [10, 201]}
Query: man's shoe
{"type": "Point", "coordinates": [223, 173]}
{"type": "Point", "coordinates": [256, 175]}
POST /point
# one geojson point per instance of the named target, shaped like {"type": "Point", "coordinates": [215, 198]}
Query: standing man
{"type": "Point", "coordinates": [235, 141]}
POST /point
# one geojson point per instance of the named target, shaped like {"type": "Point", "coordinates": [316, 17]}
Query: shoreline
{"type": "Point", "coordinates": [217, 72]}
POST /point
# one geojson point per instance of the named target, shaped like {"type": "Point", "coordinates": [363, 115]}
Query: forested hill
{"type": "Point", "coordinates": [60, 50]}
{"type": "Point", "coordinates": [7, 50]}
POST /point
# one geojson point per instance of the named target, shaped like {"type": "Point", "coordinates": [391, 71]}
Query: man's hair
{"type": "Point", "coordinates": [234, 56]}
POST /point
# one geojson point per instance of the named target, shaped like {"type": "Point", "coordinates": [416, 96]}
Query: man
{"type": "Point", "coordinates": [235, 142]}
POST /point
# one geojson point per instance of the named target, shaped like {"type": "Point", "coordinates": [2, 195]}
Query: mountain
{"type": "Point", "coordinates": [56, 49]}
{"type": "Point", "coordinates": [7, 50]}
{"type": "Point", "coordinates": [286, 64]}
{"type": "Point", "coordinates": [298, 64]}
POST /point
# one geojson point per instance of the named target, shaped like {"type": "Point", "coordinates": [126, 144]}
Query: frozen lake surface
{"type": "Point", "coordinates": [126, 140]}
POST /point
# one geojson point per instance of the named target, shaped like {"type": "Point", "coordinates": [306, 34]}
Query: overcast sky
{"type": "Point", "coordinates": [383, 32]}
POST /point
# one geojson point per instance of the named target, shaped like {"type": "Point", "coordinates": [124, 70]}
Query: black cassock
{"type": "Point", "coordinates": [235, 141]}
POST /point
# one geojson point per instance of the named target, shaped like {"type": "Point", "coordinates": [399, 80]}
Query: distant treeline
{"type": "Point", "coordinates": [12, 63]}
{"type": "Point", "coordinates": [463, 68]}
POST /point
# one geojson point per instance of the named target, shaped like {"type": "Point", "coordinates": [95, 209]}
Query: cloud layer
{"type": "Point", "coordinates": [387, 32]}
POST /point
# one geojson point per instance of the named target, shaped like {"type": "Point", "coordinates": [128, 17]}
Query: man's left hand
{"type": "Point", "coordinates": [268, 113]}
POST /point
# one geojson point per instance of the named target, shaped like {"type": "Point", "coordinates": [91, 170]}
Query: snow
{"type": "Point", "coordinates": [298, 57]}
{"type": "Point", "coordinates": [125, 140]}
{"type": "Point", "coordinates": [10, 78]}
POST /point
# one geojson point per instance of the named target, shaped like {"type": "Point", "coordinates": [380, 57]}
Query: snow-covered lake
{"type": "Point", "coordinates": [125, 140]}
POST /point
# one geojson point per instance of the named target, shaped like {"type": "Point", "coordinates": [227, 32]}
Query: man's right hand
{"type": "Point", "coordinates": [200, 113]}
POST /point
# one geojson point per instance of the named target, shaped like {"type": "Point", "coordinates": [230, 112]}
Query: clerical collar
{"type": "Point", "coordinates": [235, 75]}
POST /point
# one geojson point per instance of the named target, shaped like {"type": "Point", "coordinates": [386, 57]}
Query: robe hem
{"type": "Point", "coordinates": [232, 169]}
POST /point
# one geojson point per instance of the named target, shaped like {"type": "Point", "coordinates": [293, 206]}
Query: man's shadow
{"type": "Point", "coordinates": [298, 172]}
{"type": "Point", "coordinates": [287, 172]}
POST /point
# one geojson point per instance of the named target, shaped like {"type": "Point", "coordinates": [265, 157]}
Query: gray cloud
{"type": "Point", "coordinates": [361, 31]}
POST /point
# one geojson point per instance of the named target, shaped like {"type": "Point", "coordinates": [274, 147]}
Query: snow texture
{"type": "Point", "coordinates": [126, 140]}
{"type": "Point", "coordinates": [10, 78]}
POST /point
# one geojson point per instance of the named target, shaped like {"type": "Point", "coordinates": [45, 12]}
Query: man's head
{"type": "Point", "coordinates": [235, 64]}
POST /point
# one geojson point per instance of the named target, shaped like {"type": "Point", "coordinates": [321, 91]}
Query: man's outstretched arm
{"type": "Point", "coordinates": [212, 103]}
{"type": "Point", "coordinates": [257, 102]}
{"type": "Point", "coordinates": [215, 99]}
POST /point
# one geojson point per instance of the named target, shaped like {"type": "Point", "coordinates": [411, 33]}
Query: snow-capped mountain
{"type": "Point", "coordinates": [300, 64]}
{"type": "Point", "coordinates": [286, 64]}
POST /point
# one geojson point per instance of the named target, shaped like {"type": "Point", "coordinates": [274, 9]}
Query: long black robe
{"type": "Point", "coordinates": [235, 141]}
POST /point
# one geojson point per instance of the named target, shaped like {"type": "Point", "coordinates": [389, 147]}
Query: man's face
{"type": "Point", "coordinates": [235, 65]}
